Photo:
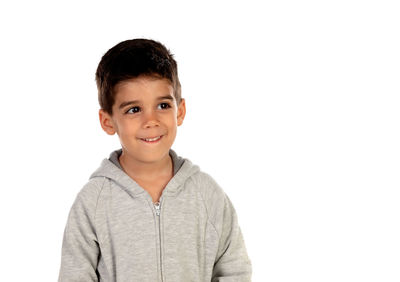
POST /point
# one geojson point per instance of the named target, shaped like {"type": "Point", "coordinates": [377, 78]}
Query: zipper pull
{"type": "Point", "coordinates": [158, 207]}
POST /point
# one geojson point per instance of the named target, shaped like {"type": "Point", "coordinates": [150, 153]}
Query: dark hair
{"type": "Point", "coordinates": [130, 59]}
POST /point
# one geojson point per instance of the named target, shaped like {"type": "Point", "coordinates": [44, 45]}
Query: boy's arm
{"type": "Point", "coordinates": [232, 262]}
{"type": "Point", "coordinates": [80, 249]}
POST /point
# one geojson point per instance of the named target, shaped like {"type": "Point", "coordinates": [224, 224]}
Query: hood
{"type": "Point", "coordinates": [111, 171]}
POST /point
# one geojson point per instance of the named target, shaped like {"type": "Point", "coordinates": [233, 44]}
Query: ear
{"type": "Point", "coordinates": [106, 122]}
{"type": "Point", "coordinates": [181, 112]}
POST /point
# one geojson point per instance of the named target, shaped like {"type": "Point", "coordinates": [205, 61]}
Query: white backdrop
{"type": "Point", "coordinates": [292, 106]}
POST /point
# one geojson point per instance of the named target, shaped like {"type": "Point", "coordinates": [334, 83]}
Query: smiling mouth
{"type": "Point", "coordinates": [152, 140]}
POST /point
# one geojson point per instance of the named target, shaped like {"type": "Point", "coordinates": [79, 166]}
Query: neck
{"type": "Point", "coordinates": [137, 169]}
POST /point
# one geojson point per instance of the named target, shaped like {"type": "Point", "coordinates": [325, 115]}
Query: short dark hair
{"type": "Point", "coordinates": [131, 59]}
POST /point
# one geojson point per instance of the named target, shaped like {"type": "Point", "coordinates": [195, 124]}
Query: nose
{"type": "Point", "coordinates": [150, 119]}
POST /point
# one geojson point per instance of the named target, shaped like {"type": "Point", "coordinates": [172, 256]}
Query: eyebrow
{"type": "Point", "coordinates": [126, 103]}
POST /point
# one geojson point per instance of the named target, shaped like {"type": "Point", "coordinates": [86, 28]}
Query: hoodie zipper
{"type": "Point", "coordinates": [157, 206]}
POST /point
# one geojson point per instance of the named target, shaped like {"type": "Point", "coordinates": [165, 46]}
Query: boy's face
{"type": "Point", "coordinates": [145, 107]}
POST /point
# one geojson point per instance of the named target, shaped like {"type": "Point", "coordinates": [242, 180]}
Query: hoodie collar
{"type": "Point", "coordinates": [183, 169]}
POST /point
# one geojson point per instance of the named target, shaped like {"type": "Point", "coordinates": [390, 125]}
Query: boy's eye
{"type": "Point", "coordinates": [165, 106]}
{"type": "Point", "coordinates": [133, 110]}
{"type": "Point", "coordinates": [137, 109]}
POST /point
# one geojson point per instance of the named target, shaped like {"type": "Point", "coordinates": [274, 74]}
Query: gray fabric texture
{"type": "Point", "coordinates": [115, 233]}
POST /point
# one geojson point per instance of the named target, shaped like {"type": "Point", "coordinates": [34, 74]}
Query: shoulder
{"type": "Point", "coordinates": [207, 184]}
{"type": "Point", "coordinates": [212, 193]}
{"type": "Point", "coordinates": [88, 195]}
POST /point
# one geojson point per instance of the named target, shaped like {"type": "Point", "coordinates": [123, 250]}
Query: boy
{"type": "Point", "coordinates": [146, 213]}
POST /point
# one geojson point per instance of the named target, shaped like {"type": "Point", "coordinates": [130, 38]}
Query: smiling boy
{"type": "Point", "coordinates": [145, 108]}
{"type": "Point", "coordinates": [146, 213]}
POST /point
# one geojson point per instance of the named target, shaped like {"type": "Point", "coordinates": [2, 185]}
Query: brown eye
{"type": "Point", "coordinates": [165, 106]}
{"type": "Point", "coordinates": [133, 110]}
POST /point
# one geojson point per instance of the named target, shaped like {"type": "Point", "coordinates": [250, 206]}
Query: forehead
{"type": "Point", "coordinates": [142, 90]}
{"type": "Point", "coordinates": [143, 87]}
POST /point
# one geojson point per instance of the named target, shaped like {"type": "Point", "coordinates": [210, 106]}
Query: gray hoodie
{"type": "Point", "coordinates": [115, 232]}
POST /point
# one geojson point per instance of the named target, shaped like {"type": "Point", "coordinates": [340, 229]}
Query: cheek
{"type": "Point", "coordinates": [128, 128]}
{"type": "Point", "coordinates": [172, 122]}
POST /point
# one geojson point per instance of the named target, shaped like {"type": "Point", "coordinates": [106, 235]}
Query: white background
{"type": "Point", "coordinates": [292, 106]}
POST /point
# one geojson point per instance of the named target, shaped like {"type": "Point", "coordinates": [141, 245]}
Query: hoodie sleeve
{"type": "Point", "coordinates": [80, 249]}
{"type": "Point", "coordinates": [232, 263]}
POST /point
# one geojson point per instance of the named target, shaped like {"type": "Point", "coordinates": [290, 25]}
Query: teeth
{"type": "Point", "coordinates": [154, 139]}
